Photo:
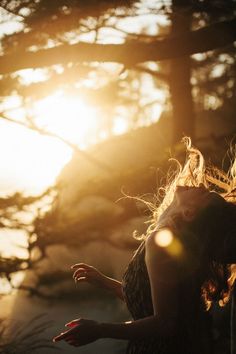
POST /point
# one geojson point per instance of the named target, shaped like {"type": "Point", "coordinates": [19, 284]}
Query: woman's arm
{"type": "Point", "coordinates": [115, 286]}
{"type": "Point", "coordinates": [163, 276]}
{"type": "Point", "coordinates": [90, 274]}
{"type": "Point", "coordinates": [163, 272]}
{"type": "Point", "coordinates": [83, 331]}
{"type": "Point", "coordinates": [135, 330]}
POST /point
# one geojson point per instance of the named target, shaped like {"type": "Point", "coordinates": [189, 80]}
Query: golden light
{"type": "Point", "coordinates": [33, 161]}
{"type": "Point", "coordinates": [13, 242]}
{"type": "Point", "coordinates": [120, 126]}
{"type": "Point", "coordinates": [68, 117]}
{"type": "Point", "coordinates": [166, 239]}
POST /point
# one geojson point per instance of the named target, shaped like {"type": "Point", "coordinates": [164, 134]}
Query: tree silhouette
{"type": "Point", "coordinates": [53, 34]}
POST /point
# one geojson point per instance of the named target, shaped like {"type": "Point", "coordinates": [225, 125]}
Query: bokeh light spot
{"type": "Point", "coordinates": [164, 238]}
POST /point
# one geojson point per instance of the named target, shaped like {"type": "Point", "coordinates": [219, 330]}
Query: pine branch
{"type": "Point", "coordinates": [130, 53]}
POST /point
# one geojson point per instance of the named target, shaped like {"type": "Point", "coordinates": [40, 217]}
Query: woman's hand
{"type": "Point", "coordinates": [80, 332]}
{"type": "Point", "coordinates": [88, 273]}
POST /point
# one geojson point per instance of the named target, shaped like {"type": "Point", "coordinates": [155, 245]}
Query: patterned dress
{"type": "Point", "coordinates": [193, 334]}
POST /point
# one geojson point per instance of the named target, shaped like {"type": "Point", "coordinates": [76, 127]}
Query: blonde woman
{"type": "Point", "coordinates": [180, 268]}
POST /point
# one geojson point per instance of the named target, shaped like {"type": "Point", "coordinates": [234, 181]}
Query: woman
{"type": "Point", "coordinates": [180, 268]}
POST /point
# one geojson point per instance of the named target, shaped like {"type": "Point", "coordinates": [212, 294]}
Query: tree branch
{"type": "Point", "coordinates": [86, 155]}
{"type": "Point", "coordinates": [158, 75]}
{"type": "Point", "coordinates": [209, 38]}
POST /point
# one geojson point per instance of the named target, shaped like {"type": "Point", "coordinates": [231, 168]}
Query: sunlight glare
{"type": "Point", "coordinates": [30, 76]}
{"type": "Point", "coordinates": [120, 126]}
{"type": "Point", "coordinates": [164, 238]}
{"type": "Point", "coordinates": [67, 117]}
{"type": "Point", "coordinates": [31, 162]}
{"type": "Point", "coordinates": [13, 243]}
{"type": "Point", "coordinates": [167, 240]}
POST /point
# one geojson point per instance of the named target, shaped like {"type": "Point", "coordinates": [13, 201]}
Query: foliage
{"type": "Point", "coordinates": [24, 338]}
{"type": "Point", "coordinates": [18, 212]}
{"type": "Point", "coordinates": [115, 89]}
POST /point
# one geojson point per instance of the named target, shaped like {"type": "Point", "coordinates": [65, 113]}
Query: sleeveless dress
{"type": "Point", "coordinates": [193, 334]}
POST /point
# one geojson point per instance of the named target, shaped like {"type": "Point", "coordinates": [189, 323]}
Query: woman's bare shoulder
{"type": "Point", "coordinates": [151, 243]}
{"type": "Point", "coordinates": [159, 239]}
{"type": "Point", "coordinates": [157, 245]}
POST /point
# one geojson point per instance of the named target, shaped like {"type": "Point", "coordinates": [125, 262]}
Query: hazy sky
{"type": "Point", "coordinates": [29, 161]}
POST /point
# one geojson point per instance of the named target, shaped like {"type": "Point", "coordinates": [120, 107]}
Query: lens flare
{"type": "Point", "coordinates": [164, 238]}
{"type": "Point", "coordinates": [167, 240]}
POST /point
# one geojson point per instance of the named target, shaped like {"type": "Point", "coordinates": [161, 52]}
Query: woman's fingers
{"type": "Point", "coordinates": [81, 275]}
{"type": "Point", "coordinates": [80, 272]}
{"type": "Point", "coordinates": [73, 323]}
{"type": "Point", "coordinates": [67, 334]}
{"type": "Point", "coordinates": [81, 331]}
{"type": "Point", "coordinates": [85, 272]}
{"type": "Point", "coordinates": [82, 265]}
{"type": "Point", "coordinates": [74, 343]}
{"type": "Point", "coordinates": [71, 340]}
{"type": "Point", "coordinates": [59, 337]}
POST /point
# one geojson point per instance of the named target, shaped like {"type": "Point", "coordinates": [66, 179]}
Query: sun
{"type": "Point", "coordinates": [33, 161]}
{"type": "Point", "coordinates": [67, 117]}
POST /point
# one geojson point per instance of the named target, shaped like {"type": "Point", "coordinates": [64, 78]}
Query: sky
{"type": "Point", "coordinates": [30, 162]}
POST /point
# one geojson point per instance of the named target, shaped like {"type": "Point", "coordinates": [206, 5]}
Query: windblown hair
{"type": "Point", "coordinates": [216, 269]}
{"type": "Point", "coordinates": [195, 173]}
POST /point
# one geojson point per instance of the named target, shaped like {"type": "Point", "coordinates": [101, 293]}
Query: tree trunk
{"type": "Point", "coordinates": [180, 75]}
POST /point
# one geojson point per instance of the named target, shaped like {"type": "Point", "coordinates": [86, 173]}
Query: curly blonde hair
{"type": "Point", "coordinates": [215, 227]}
